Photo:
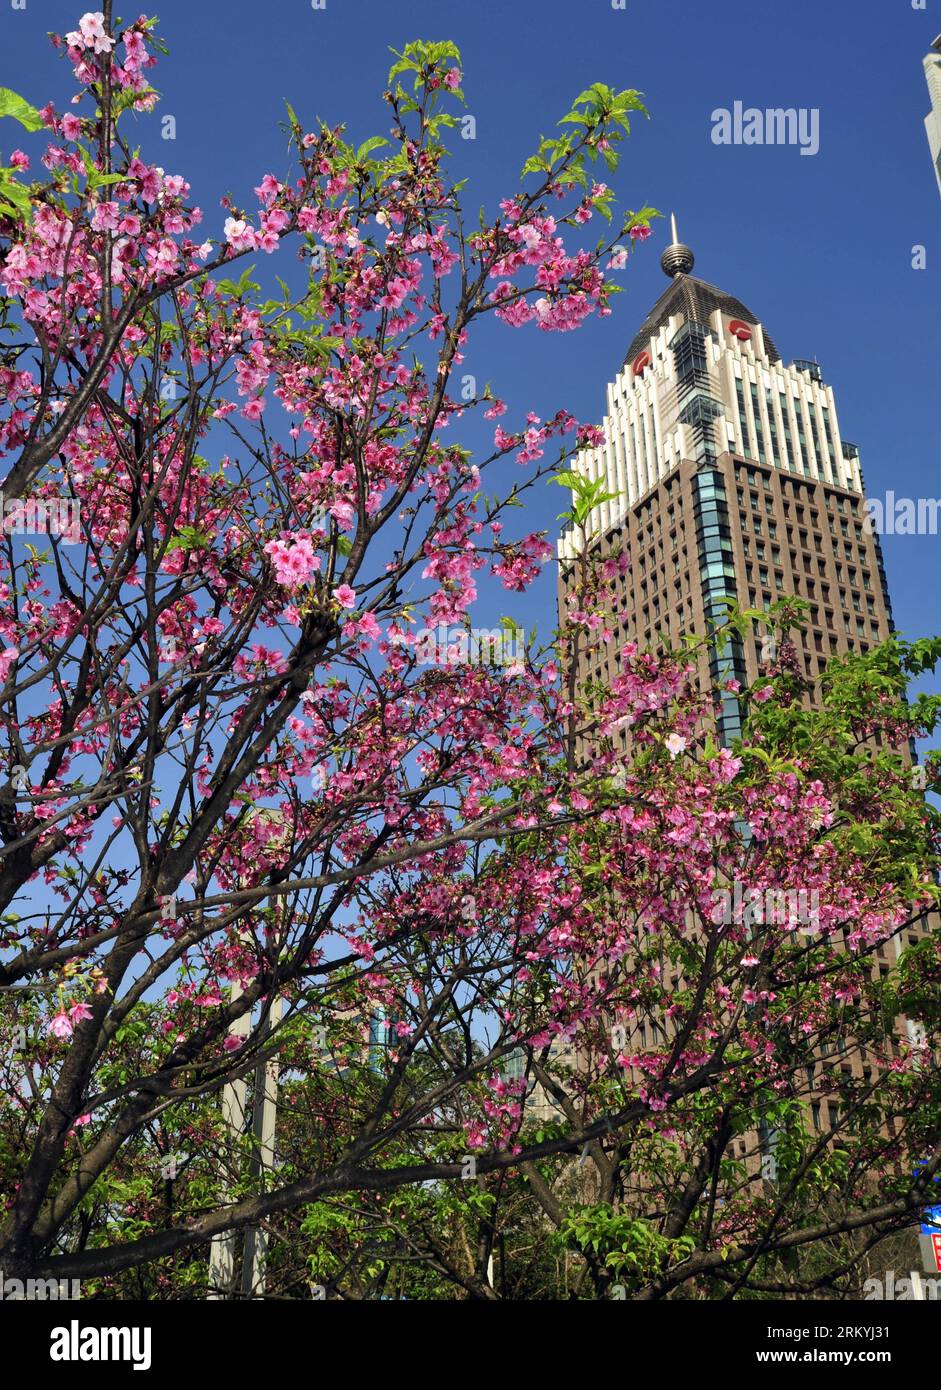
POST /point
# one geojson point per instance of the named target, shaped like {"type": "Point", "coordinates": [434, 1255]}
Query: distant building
{"type": "Point", "coordinates": [933, 119]}
{"type": "Point", "coordinates": [539, 1104]}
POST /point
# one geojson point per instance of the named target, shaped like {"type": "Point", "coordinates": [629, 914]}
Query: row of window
{"type": "Point", "coordinates": [803, 583]}
{"type": "Point", "coordinates": [795, 454]}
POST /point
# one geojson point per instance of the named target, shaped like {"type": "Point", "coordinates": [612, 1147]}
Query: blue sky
{"type": "Point", "coordinates": [819, 248]}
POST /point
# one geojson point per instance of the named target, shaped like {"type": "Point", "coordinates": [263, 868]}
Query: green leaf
{"type": "Point", "coordinates": [242, 286]}
{"type": "Point", "coordinates": [20, 110]}
{"type": "Point", "coordinates": [189, 538]}
{"type": "Point", "coordinates": [94, 178]}
{"type": "Point", "coordinates": [13, 194]}
{"type": "Point", "coordinates": [367, 147]}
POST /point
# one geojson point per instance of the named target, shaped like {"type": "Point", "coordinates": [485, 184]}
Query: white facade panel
{"type": "Point", "coordinates": [644, 440]}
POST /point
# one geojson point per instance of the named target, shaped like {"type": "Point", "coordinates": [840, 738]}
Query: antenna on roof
{"type": "Point", "coordinates": [677, 259]}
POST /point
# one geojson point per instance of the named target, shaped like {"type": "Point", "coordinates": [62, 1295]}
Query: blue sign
{"type": "Point", "coordinates": [930, 1216]}
{"type": "Point", "coordinates": [931, 1221]}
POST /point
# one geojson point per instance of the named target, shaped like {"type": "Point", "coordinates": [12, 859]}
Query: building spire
{"type": "Point", "coordinates": [677, 259]}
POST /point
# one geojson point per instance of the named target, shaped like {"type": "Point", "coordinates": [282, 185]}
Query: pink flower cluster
{"type": "Point", "coordinates": [294, 560]}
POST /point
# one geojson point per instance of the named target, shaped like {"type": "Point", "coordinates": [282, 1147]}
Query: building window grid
{"type": "Point", "coordinates": [642, 429]}
{"type": "Point", "coordinates": [773, 428]}
{"type": "Point", "coordinates": [828, 431]}
{"type": "Point", "coordinates": [816, 438]}
{"type": "Point", "coordinates": [802, 438]}
{"type": "Point", "coordinates": [759, 427]}
{"type": "Point", "coordinates": [743, 419]}
{"type": "Point", "coordinates": [788, 437]}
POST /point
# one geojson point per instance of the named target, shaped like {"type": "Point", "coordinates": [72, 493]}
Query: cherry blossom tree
{"type": "Point", "coordinates": [237, 780]}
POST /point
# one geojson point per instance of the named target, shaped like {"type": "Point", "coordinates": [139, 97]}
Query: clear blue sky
{"type": "Point", "coordinates": [819, 248]}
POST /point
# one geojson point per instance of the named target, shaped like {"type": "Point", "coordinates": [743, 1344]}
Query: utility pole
{"type": "Point", "coordinates": [255, 1255]}
{"type": "Point", "coordinates": [224, 1246]}
{"type": "Point", "coordinates": [222, 1250]}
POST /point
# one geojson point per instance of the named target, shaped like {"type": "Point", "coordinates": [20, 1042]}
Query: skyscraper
{"type": "Point", "coordinates": [933, 119]}
{"type": "Point", "coordinates": [734, 482]}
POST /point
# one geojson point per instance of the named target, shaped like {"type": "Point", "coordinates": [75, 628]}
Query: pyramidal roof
{"type": "Point", "coordinates": [694, 299]}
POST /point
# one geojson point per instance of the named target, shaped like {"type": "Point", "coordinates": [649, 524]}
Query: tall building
{"type": "Point", "coordinates": [933, 119]}
{"type": "Point", "coordinates": [733, 481]}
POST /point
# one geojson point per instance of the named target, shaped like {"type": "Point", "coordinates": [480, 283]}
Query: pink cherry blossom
{"type": "Point", "coordinates": [239, 234]}
{"type": "Point", "coordinates": [91, 33]}
{"type": "Point", "coordinates": [294, 561]}
{"type": "Point", "coordinates": [675, 744]}
{"type": "Point", "coordinates": [7, 657]}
